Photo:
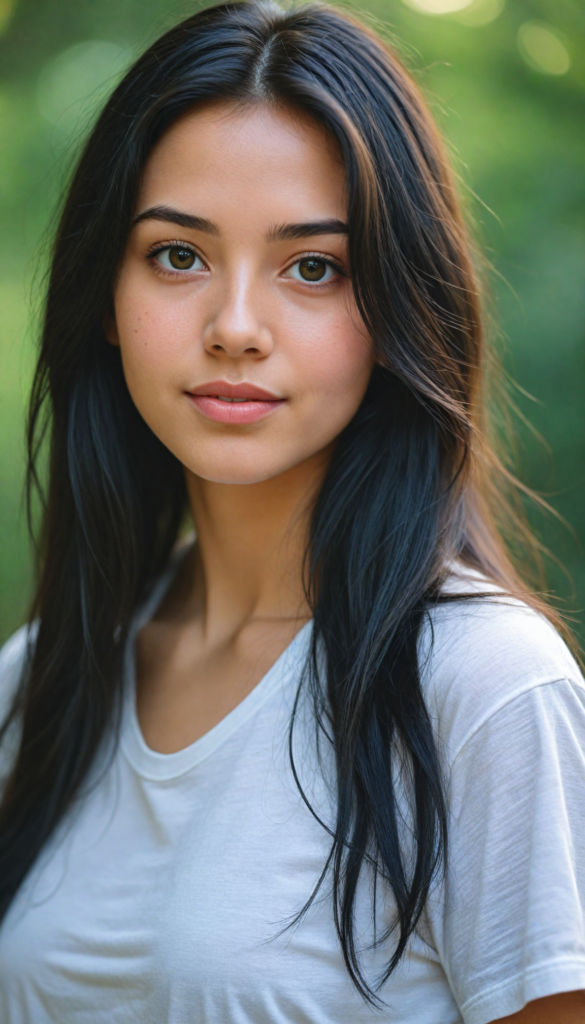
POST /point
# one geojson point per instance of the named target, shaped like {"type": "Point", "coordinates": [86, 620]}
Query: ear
{"type": "Point", "coordinates": [110, 327]}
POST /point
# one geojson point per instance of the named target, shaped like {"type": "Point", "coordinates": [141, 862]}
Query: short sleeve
{"type": "Point", "coordinates": [509, 924]}
{"type": "Point", "coordinates": [13, 656]}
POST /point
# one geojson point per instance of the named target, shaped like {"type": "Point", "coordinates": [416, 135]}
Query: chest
{"type": "Point", "coordinates": [187, 682]}
{"type": "Point", "coordinates": [171, 900]}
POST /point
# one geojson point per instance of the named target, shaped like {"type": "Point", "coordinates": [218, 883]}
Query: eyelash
{"type": "Point", "coordinates": [159, 247]}
{"type": "Point", "coordinates": [327, 260]}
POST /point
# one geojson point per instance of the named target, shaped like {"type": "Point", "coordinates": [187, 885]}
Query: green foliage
{"type": "Point", "coordinates": [507, 84]}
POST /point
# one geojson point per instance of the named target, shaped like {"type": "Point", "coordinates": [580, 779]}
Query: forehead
{"type": "Point", "coordinates": [231, 159]}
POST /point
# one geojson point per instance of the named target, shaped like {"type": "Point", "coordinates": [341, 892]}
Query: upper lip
{"type": "Point", "coordinates": [215, 388]}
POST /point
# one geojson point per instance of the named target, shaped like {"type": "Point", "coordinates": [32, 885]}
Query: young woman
{"type": "Point", "coordinates": [326, 761]}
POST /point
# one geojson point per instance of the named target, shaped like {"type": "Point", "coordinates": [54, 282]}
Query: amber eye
{"type": "Point", "coordinates": [181, 259]}
{"type": "Point", "coordinates": [312, 269]}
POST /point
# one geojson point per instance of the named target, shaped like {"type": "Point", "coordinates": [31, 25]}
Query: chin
{"type": "Point", "coordinates": [251, 460]}
{"type": "Point", "coordinates": [235, 478]}
{"type": "Point", "coordinates": [244, 468]}
{"type": "Point", "coordinates": [232, 471]}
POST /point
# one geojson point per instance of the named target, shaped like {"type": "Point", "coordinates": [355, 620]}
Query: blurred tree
{"type": "Point", "coordinates": [507, 83]}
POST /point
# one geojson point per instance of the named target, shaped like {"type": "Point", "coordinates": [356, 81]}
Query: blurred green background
{"type": "Point", "coordinates": [506, 80]}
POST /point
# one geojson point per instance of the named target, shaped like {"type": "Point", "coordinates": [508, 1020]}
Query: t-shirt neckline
{"type": "Point", "coordinates": [155, 766]}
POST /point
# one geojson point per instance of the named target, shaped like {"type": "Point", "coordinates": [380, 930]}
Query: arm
{"type": "Point", "coordinates": [512, 930]}
{"type": "Point", "coordinates": [565, 1008]}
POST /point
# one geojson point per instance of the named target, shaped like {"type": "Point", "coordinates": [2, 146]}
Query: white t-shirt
{"type": "Point", "coordinates": [164, 895]}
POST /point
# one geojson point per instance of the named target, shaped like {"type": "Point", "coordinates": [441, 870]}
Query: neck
{"type": "Point", "coordinates": [251, 541]}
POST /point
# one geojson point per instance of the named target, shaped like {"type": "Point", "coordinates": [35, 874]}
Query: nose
{"type": "Point", "coordinates": [237, 327]}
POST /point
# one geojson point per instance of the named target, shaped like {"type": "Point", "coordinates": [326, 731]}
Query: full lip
{"type": "Point", "coordinates": [249, 404]}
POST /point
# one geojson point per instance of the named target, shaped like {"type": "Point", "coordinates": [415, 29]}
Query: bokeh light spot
{"type": "Point", "coordinates": [542, 49]}
{"type": "Point", "coordinates": [438, 6]}
{"type": "Point", "coordinates": [481, 12]}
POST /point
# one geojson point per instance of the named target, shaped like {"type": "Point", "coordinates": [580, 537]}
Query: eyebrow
{"type": "Point", "coordinates": [184, 220]}
{"type": "Point", "coordinates": [281, 233]}
{"type": "Point", "coordinates": [288, 232]}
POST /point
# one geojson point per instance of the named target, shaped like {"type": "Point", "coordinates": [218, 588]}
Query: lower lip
{"type": "Point", "coordinates": [234, 412]}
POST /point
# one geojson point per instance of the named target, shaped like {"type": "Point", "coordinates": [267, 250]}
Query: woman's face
{"type": "Point", "coordinates": [241, 344]}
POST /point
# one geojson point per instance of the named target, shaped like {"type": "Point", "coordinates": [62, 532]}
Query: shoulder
{"type": "Point", "coordinates": [479, 654]}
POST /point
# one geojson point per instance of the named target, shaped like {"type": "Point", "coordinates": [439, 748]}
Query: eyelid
{"type": "Point", "coordinates": [157, 247]}
{"type": "Point", "coordinates": [331, 261]}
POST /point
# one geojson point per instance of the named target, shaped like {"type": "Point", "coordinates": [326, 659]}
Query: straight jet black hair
{"type": "Point", "coordinates": [412, 483]}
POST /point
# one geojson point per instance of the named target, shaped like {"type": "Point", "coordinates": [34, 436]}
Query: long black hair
{"type": "Point", "coordinates": [409, 488]}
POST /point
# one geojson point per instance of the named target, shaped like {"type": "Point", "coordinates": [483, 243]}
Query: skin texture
{"type": "Point", "coordinates": [565, 1008]}
{"type": "Point", "coordinates": [242, 318]}
{"type": "Point", "coordinates": [242, 314]}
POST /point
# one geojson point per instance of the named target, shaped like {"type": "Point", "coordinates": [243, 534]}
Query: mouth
{"type": "Point", "coordinates": [224, 398]}
{"type": "Point", "coordinates": [234, 403]}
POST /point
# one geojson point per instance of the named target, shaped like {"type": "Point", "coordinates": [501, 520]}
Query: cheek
{"type": "Point", "coordinates": [155, 336]}
{"type": "Point", "coordinates": [334, 360]}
